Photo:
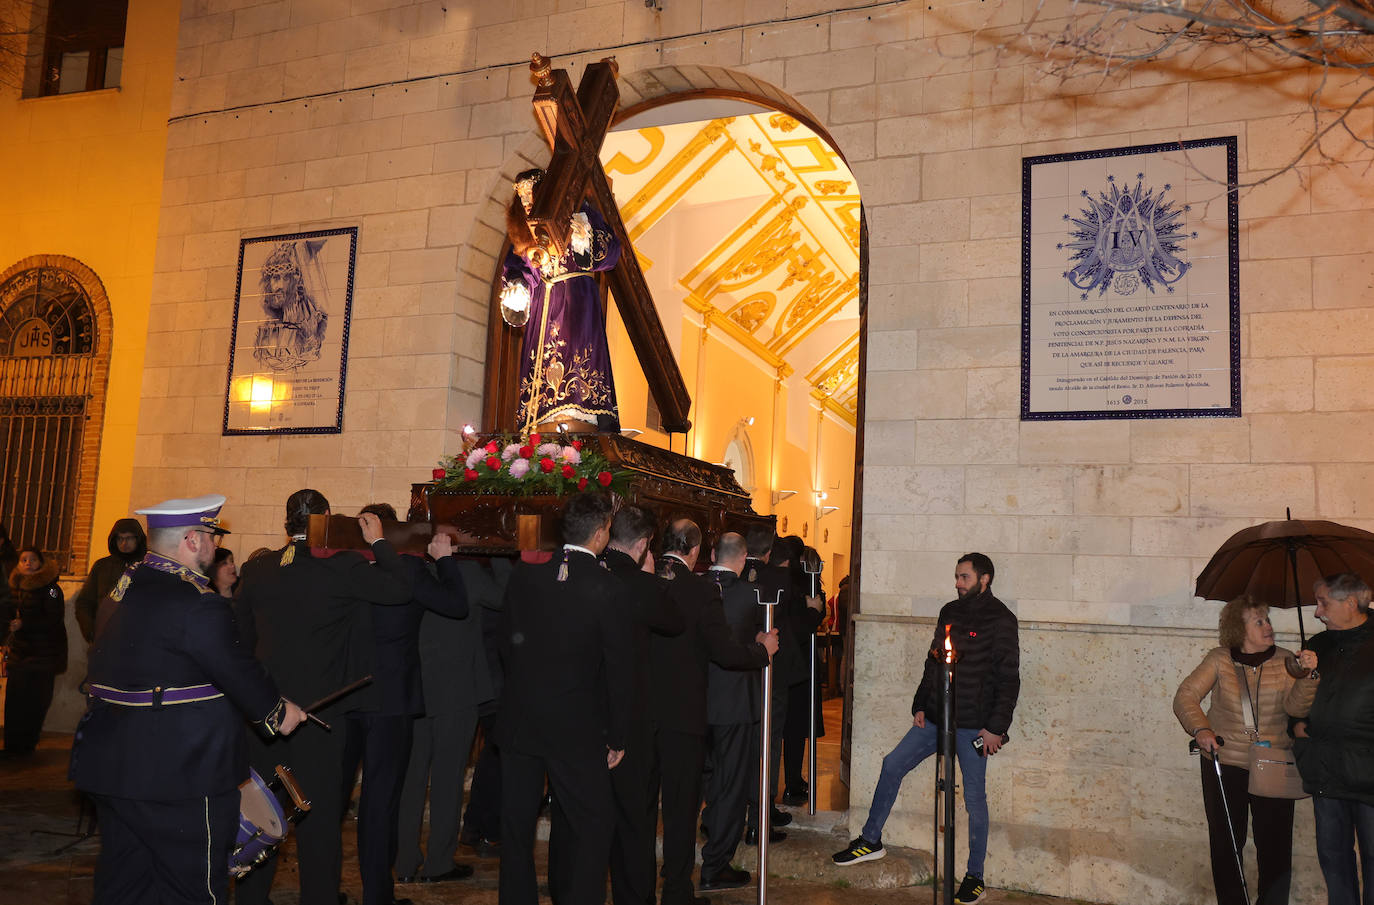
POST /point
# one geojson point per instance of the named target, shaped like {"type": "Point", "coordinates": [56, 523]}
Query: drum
{"type": "Point", "coordinates": [266, 812]}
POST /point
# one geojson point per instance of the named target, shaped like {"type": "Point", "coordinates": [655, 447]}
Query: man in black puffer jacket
{"type": "Point", "coordinates": [986, 684]}
{"type": "Point", "coordinates": [1334, 744]}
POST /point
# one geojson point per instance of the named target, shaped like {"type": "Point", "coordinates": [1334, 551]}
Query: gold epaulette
{"type": "Point", "coordinates": [121, 586]}
{"type": "Point", "coordinates": [288, 555]}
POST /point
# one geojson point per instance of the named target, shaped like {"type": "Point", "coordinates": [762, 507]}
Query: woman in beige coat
{"type": "Point", "coordinates": [1247, 642]}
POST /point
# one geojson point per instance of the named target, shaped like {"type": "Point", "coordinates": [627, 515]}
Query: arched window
{"type": "Point", "coordinates": [53, 365]}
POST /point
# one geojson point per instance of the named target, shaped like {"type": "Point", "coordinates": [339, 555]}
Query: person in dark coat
{"type": "Point", "coordinates": [307, 615]}
{"type": "Point", "coordinates": [986, 685]}
{"type": "Point", "coordinates": [766, 568]}
{"type": "Point", "coordinates": [732, 712]}
{"type": "Point", "coordinates": [384, 733]}
{"type": "Point", "coordinates": [37, 648]}
{"type": "Point", "coordinates": [482, 818]}
{"type": "Point", "coordinates": [161, 748]}
{"type": "Point", "coordinates": [651, 610]}
{"type": "Point", "coordinates": [677, 701]}
{"type": "Point", "coordinates": [458, 684]}
{"type": "Point", "coordinates": [1334, 739]}
{"type": "Point", "coordinates": [127, 544]}
{"type": "Point", "coordinates": [804, 618]}
{"type": "Point", "coordinates": [565, 711]}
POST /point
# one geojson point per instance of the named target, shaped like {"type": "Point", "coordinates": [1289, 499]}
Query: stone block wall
{"type": "Point", "coordinates": [406, 118]}
{"type": "Point", "coordinates": [1095, 797]}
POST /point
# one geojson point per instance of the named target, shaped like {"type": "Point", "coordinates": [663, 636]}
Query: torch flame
{"type": "Point", "coordinates": [949, 647]}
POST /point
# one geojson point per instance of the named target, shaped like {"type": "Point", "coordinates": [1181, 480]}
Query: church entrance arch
{"type": "Point", "coordinates": [730, 312]}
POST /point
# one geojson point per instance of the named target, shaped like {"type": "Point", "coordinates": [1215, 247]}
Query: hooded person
{"type": "Point", "coordinates": [127, 544]}
{"type": "Point", "coordinates": [37, 640]}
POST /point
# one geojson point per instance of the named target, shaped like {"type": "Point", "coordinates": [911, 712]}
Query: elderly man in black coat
{"type": "Point", "coordinates": [677, 701]}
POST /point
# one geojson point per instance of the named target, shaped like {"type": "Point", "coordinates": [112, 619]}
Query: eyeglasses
{"type": "Point", "coordinates": [215, 536]}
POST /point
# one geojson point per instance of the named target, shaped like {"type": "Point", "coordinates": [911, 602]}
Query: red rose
{"type": "Point", "coordinates": [546, 465]}
{"type": "Point", "coordinates": [527, 452]}
{"type": "Point", "coordinates": [534, 439]}
{"type": "Point", "coordinates": [604, 478]}
{"type": "Point", "coordinates": [493, 448]}
{"type": "Point", "coordinates": [577, 445]}
{"type": "Point", "coordinates": [581, 483]}
{"type": "Point", "coordinates": [438, 474]}
{"type": "Point", "coordinates": [469, 474]}
{"type": "Point", "coordinates": [494, 463]}
{"type": "Point", "coordinates": [569, 471]}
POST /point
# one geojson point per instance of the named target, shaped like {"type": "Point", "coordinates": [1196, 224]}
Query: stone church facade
{"type": "Point", "coordinates": [407, 120]}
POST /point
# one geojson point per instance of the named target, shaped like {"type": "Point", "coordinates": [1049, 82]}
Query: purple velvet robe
{"type": "Point", "coordinates": [565, 361]}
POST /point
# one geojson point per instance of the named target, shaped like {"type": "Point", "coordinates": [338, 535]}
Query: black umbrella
{"type": "Point", "coordinates": [1278, 562]}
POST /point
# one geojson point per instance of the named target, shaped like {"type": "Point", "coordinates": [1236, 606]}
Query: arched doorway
{"type": "Point", "coordinates": [749, 289]}
{"type": "Point", "coordinates": [55, 345]}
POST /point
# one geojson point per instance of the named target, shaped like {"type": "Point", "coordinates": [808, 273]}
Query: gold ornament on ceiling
{"type": "Point", "coordinates": [753, 311]}
{"type": "Point", "coordinates": [831, 186]}
{"type": "Point", "coordinates": [782, 122]}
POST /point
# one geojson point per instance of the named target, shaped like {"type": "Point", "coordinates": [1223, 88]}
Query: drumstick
{"type": "Point", "coordinates": [331, 698]}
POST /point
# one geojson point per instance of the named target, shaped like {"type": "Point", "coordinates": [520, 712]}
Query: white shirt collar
{"type": "Point", "coordinates": [579, 549]}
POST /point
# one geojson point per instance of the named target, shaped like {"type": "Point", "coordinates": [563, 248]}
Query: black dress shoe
{"type": "Point", "coordinates": [796, 799]}
{"type": "Point", "coordinates": [408, 878]}
{"type": "Point", "coordinates": [726, 878]}
{"type": "Point", "coordinates": [488, 848]}
{"type": "Point", "coordinates": [780, 817]}
{"type": "Point", "coordinates": [457, 872]}
{"type": "Point", "coordinates": [751, 836]}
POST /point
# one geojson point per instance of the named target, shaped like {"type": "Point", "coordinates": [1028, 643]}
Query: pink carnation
{"type": "Point", "coordinates": [519, 468]}
{"type": "Point", "coordinates": [548, 450]}
{"type": "Point", "coordinates": [475, 458]}
{"type": "Point", "coordinates": [511, 451]}
{"type": "Point", "coordinates": [571, 456]}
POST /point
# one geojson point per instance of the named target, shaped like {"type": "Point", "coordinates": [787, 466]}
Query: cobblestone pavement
{"type": "Point", "coordinates": [41, 861]}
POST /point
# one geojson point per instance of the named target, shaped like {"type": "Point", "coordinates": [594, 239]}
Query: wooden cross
{"type": "Point", "coordinates": [575, 125]}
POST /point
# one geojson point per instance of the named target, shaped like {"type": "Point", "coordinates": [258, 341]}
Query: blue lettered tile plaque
{"type": "Point", "coordinates": [1129, 283]}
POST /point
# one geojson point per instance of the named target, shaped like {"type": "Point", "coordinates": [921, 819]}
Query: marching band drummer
{"type": "Point", "coordinates": [161, 748]}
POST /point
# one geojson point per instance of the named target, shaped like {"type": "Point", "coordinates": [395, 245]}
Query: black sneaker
{"type": "Point", "coordinates": [859, 850]}
{"type": "Point", "coordinates": [970, 891]}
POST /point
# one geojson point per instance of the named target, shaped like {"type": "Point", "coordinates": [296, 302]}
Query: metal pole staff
{"type": "Point", "coordinates": [811, 697]}
{"type": "Point", "coordinates": [765, 816]}
{"type": "Point", "coordinates": [811, 750]}
{"type": "Point", "coordinates": [947, 659]}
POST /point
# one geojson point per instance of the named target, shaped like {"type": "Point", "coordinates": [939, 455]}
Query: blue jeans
{"type": "Point", "coordinates": [1341, 823]}
{"type": "Point", "coordinates": [916, 746]}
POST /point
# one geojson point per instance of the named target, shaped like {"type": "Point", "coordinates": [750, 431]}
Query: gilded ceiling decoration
{"type": "Point", "coordinates": [763, 243]}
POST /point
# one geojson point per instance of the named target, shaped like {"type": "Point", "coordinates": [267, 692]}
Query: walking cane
{"type": "Point", "coordinates": [1226, 810]}
{"type": "Point", "coordinates": [765, 818]}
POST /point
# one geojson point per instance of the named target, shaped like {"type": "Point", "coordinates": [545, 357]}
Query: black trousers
{"type": "Point", "coordinates": [733, 745]}
{"type": "Point", "coordinates": [28, 695]}
{"type": "Point", "coordinates": [438, 759]}
{"type": "Point", "coordinates": [632, 847]}
{"type": "Point", "coordinates": [168, 852]}
{"type": "Point", "coordinates": [386, 751]}
{"type": "Point", "coordinates": [482, 819]}
{"type": "Point", "coordinates": [775, 755]}
{"type": "Point", "coordinates": [675, 775]}
{"type": "Point", "coordinates": [583, 823]}
{"type": "Point", "coordinates": [316, 760]}
{"type": "Point", "coordinates": [1273, 836]}
{"type": "Point", "coordinates": [796, 733]}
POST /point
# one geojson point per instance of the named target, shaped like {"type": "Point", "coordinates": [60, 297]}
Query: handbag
{"type": "Point", "coordinates": [1273, 771]}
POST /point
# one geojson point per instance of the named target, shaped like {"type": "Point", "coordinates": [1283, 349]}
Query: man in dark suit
{"type": "Point", "coordinates": [459, 687]}
{"type": "Point", "coordinates": [677, 701]}
{"type": "Point", "coordinates": [732, 712]}
{"type": "Point", "coordinates": [650, 610]}
{"type": "Point", "coordinates": [307, 617]}
{"type": "Point", "coordinates": [384, 733]}
{"type": "Point", "coordinates": [161, 748]}
{"type": "Point", "coordinates": [795, 621]}
{"type": "Point", "coordinates": [565, 710]}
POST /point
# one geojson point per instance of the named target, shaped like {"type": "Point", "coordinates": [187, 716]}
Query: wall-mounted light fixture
{"type": "Point", "coordinates": [780, 495]}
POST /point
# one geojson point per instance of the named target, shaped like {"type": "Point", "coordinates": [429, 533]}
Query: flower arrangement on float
{"type": "Point", "coordinates": [533, 464]}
